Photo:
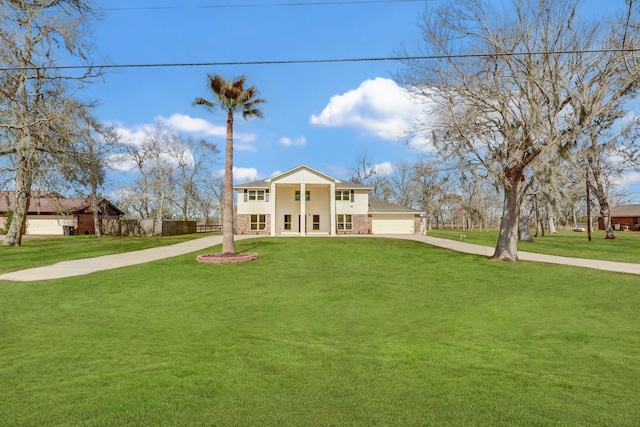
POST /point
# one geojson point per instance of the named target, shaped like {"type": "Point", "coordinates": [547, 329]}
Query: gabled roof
{"type": "Point", "coordinates": [298, 169]}
{"type": "Point", "coordinates": [626, 210]}
{"type": "Point", "coordinates": [54, 204]}
{"type": "Point", "coordinates": [380, 206]}
{"type": "Point", "coordinates": [266, 183]}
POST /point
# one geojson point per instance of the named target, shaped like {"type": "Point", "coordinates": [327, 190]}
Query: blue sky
{"type": "Point", "coordinates": [324, 115]}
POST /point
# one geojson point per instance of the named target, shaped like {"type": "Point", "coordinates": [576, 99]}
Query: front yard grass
{"type": "Point", "coordinates": [323, 331]}
{"type": "Point", "coordinates": [625, 248]}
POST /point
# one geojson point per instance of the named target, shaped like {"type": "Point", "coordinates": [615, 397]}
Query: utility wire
{"type": "Point", "coordinates": [256, 5]}
{"type": "Point", "coordinates": [318, 61]}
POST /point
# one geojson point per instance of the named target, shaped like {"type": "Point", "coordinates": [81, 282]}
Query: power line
{"type": "Point", "coordinates": [262, 5]}
{"type": "Point", "coordinates": [318, 61]}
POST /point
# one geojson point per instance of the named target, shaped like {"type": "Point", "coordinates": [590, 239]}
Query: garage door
{"type": "Point", "coordinates": [392, 224]}
{"type": "Point", "coordinates": [50, 226]}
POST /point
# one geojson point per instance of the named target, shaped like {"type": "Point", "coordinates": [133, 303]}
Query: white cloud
{"type": "Point", "coordinates": [131, 136]}
{"type": "Point", "coordinates": [242, 174]}
{"type": "Point", "coordinates": [178, 124]}
{"type": "Point", "coordinates": [382, 169]}
{"type": "Point", "coordinates": [629, 179]}
{"type": "Point", "coordinates": [378, 107]}
{"type": "Point", "coordinates": [288, 142]}
{"type": "Point", "coordinates": [121, 163]}
{"type": "Point", "coordinates": [183, 123]}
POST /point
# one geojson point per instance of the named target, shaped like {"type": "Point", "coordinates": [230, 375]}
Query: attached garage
{"type": "Point", "coordinates": [392, 224]}
{"type": "Point", "coordinates": [51, 226]}
{"type": "Point", "coordinates": [387, 218]}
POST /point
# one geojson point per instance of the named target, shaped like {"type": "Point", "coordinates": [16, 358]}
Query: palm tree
{"type": "Point", "coordinates": [231, 96]}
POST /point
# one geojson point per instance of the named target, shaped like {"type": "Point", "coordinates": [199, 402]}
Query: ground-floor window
{"type": "Point", "coordinates": [287, 222]}
{"type": "Point", "coordinates": [345, 222]}
{"type": "Point", "coordinates": [316, 223]}
{"type": "Point", "coordinates": [258, 222]}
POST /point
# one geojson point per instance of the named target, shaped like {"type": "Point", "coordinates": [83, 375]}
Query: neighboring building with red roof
{"type": "Point", "coordinates": [625, 217]}
{"type": "Point", "coordinates": [53, 214]}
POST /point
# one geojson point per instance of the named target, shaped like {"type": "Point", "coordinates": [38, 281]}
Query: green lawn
{"type": "Point", "coordinates": [626, 248]}
{"type": "Point", "coordinates": [340, 332]}
{"type": "Point", "coordinates": [39, 251]}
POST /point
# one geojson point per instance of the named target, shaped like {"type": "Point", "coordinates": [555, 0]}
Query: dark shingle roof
{"type": "Point", "coordinates": [626, 210]}
{"type": "Point", "coordinates": [255, 184]}
{"type": "Point", "coordinates": [56, 204]}
{"type": "Point", "coordinates": [352, 186]}
{"type": "Point", "coordinates": [380, 206]}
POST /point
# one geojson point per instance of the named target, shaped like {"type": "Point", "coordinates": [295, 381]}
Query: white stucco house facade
{"type": "Point", "coordinates": [306, 202]}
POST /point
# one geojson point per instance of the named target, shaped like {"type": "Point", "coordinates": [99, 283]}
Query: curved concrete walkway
{"type": "Point", "coordinates": [106, 262]}
{"type": "Point", "coordinates": [470, 248]}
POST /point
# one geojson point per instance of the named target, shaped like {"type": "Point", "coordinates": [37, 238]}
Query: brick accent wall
{"type": "Point", "coordinates": [416, 224]}
{"type": "Point", "coordinates": [361, 224]}
{"type": "Point", "coordinates": [243, 225]}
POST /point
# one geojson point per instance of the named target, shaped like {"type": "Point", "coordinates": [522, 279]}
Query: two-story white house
{"type": "Point", "coordinates": [304, 201]}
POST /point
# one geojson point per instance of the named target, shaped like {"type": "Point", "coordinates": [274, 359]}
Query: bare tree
{"type": "Point", "coordinates": [193, 169]}
{"type": "Point", "coordinates": [36, 106]}
{"type": "Point", "coordinates": [136, 195]}
{"type": "Point", "coordinates": [85, 166]}
{"type": "Point", "coordinates": [171, 173]}
{"type": "Point", "coordinates": [211, 200]}
{"type": "Point", "coordinates": [402, 185]}
{"type": "Point", "coordinates": [605, 83]}
{"type": "Point", "coordinates": [430, 185]}
{"type": "Point", "coordinates": [498, 87]}
{"type": "Point", "coordinates": [365, 173]}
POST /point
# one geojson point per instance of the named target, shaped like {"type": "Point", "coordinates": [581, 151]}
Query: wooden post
{"type": "Point", "coordinates": [588, 206]}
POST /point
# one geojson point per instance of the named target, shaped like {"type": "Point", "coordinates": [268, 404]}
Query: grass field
{"type": "Point", "coordinates": [625, 248]}
{"type": "Point", "coordinates": [353, 332]}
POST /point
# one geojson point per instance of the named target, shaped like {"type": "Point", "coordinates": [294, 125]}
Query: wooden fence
{"type": "Point", "coordinates": [147, 227]}
{"type": "Point", "coordinates": [210, 228]}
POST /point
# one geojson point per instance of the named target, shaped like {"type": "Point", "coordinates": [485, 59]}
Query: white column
{"type": "Point", "coordinates": [332, 209]}
{"type": "Point", "coordinates": [303, 210]}
{"type": "Point", "coordinates": [272, 207]}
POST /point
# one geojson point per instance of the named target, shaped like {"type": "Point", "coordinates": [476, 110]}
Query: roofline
{"type": "Point", "coordinates": [414, 212]}
{"type": "Point", "coordinates": [280, 175]}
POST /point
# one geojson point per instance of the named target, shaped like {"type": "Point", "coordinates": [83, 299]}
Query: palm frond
{"type": "Point", "coordinates": [203, 102]}
{"type": "Point", "coordinates": [232, 96]}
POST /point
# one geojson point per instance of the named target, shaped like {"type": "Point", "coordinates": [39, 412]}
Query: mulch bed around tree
{"type": "Point", "coordinates": [226, 258]}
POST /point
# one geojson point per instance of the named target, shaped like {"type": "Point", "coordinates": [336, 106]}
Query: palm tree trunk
{"type": "Point", "coordinates": [228, 244]}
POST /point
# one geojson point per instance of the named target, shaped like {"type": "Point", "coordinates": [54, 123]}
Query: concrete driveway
{"type": "Point", "coordinates": [90, 265]}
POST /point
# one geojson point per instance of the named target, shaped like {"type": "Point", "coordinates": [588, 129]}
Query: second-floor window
{"type": "Point", "coordinates": [307, 195]}
{"type": "Point", "coordinates": [347, 195]}
{"type": "Point", "coordinates": [256, 195]}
